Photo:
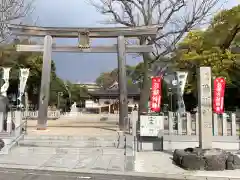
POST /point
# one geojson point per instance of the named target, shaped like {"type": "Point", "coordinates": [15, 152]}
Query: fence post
{"type": "Point", "coordinates": [18, 122]}
{"type": "Point", "coordinates": [170, 123]}
{"type": "Point", "coordinates": [215, 124]}
{"type": "Point", "coordinates": [179, 123]}
{"type": "Point", "coordinates": [49, 113]}
{"type": "Point", "coordinates": [1, 121]}
{"type": "Point", "coordinates": [233, 124]}
{"type": "Point", "coordinates": [58, 114]}
{"type": "Point", "coordinates": [197, 124]}
{"type": "Point", "coordinates": [224, 124]}
{"type": "Point", "coordinates": [34, 114]}
{"type": "Point", "coordinates": [189, 124]}
{"type": "Point", "coordinates": [9, 121]}
{"type": "Point", "coordinates": [134, 120]}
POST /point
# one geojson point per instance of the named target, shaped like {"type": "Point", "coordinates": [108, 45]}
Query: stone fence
{"type": "Point", "coordinates": [187, 124]}
{"type": "Point", "coordinates": [179, 131]}
{"type": "Point", "coordinates": [34, 114]}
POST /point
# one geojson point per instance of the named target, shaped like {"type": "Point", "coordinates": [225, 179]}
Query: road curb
{"type": "Point", "coordinates": [176, 176]}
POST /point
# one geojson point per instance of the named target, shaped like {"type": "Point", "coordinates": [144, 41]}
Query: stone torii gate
{"type": "Point", "coordinates": [83, 35]}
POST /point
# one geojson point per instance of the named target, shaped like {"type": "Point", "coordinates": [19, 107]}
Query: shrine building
{"type": "Point", "coordinates": [107, 100]}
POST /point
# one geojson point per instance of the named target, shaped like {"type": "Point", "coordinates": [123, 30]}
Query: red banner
{"type": "Point", "coordinates": [218, 95]}
{"type": "Point", "coordinates": [156, 94]}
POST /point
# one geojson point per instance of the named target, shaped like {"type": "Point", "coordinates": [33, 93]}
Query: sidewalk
{"type": "Point", "coordinates": [105, 161]}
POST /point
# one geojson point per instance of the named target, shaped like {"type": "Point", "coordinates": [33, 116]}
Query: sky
{"type": "Point", "coordinates": [82, 68]}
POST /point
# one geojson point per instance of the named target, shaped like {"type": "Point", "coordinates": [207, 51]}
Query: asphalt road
{"type": "Point", "coordinates": [16, 174]}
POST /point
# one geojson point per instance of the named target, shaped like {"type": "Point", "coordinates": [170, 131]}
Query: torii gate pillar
{"type": "Point", "coordinates": [122, 80]}
{"type": "Point", "coordinates": [45, 84]}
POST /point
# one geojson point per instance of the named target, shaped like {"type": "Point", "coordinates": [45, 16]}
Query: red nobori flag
{"type": "Point", "coordinates": [218, 95]}
{"type": "Point", "coordinates": [156, 94]}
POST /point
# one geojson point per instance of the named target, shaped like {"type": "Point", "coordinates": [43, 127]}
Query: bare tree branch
{"type": "Point", "coordinates": [12, 11]}
{"type": "Point", "coordinates": [175, 16]}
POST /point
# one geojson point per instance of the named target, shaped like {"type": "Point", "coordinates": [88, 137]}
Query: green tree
{"type": "Point", "coordinates": [106, 79]}
{"type": "Point", "coordinates": [213, 47]}
{"type": "Point", "coordinates": [78, 93]}
{"type": "Point", "coordinates": [16, 60]}
{"type": "Point", "coordinates": [57, 92]}
{"type": "Point", "coordinates": [225, 27]}
{"type": "Point", "coordinates": [192, 54]}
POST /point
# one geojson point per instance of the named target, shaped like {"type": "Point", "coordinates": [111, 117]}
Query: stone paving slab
{"type": "Point", "coordinates": [71, 131]}
{"type": "Point", "coordinates": [75, 123]}
{"type": "Point", "coordinates": [70, 158]}
{"type": "Point", "coordinates": [108, 161]}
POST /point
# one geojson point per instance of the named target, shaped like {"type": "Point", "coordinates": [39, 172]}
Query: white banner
{"type": "Point", "coordinates": [24, 73]}
{"type": "Point", "coordinates": [182, 79]}
{"type": "Point", "coordinates": [6, 72]}
{"type": "Point", "coordinates": [4, 88]}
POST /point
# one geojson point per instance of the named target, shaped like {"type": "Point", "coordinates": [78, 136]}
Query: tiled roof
{"type": "Point", "coordinates": [132, 91]}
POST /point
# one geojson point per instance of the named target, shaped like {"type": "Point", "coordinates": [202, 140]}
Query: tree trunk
{"type": "Point", "coordinates": [145, 89]}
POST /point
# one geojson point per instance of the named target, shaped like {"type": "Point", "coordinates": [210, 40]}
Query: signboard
{"type": "Point", "coordinates": [156, 94]}
{"type": "Point", "coordinates": [151, 125]}
{"type": "Point", "coordinates": [218, 95]}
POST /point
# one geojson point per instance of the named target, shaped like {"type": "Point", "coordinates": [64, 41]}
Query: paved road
{"type": "Point", "coordinates": [51, 175]}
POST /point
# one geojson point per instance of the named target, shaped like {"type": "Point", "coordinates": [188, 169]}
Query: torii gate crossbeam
{"type": "Point", "coordinates": [83, 35]}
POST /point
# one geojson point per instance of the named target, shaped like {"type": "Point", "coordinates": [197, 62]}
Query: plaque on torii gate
{"type": "Point", "coordinates": [84, 35]}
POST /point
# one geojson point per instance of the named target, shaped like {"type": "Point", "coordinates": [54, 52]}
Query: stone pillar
{"type": "Point", "coordinates": [215, 124]}
{"type": "Point", "coordinates": [205, 107]}
{"type": "Point", "coordinates": [170, 123]}
{"type": "Point", "coordinates": [224, 124]}
{"type": "Point", "coordinates": [134, 120]}
{"type": "Point", "coordinates": [45, 84]}
{"type": "Point", "coordinates": [233, 123]}
{"type": "Point", "coordinates": [9, 122]}
{"type": "Point", "coordinates": [189, 124]}
{"type": "Point", "coordinates": [26, 105]}
{"type": "Point", "coordinates": [1, 121]}
{"type": "Point", "coordinates": [179, 123]}
{"type": "Point", "coordinates": [122, 79]}
{"type": "Point", "coordinates": [18, 122]}
{"type": "Point", "coordinates": [197, 124]}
